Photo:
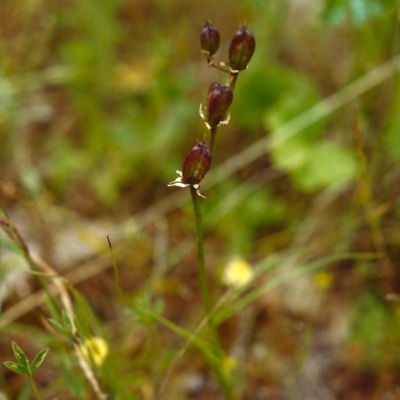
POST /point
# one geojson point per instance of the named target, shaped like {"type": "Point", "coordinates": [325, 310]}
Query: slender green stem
{"type": "Point", "coordinates": [223, 377]}
{"type": "Point", "coordinates": [200, 256]}
{"type": "Point", "coordinates": [35, 389]}
{"type": "Point", "coordinates": [232, 80]}
{"type": "Point", "coordinates": [366, 197]}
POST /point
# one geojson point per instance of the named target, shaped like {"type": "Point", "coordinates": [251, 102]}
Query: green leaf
{"type": "Point", "coordinates": [67, 321]}
{"type": "Point", "coordinates": [20, 356]}
{"type": "Point", "coordinates": [363, 10]}
{"type": "Point", "coordinates": [65, 328]}
{"type": "Point", "coordinates": [13, 247]}
{"type": "Point", "coordinates": [328, 165]}
{"type": "Point", "coordinates": [299, 97]}
{"type": "Point", "coordinates": [358, 11]}
{"type": "Point", "coordinates": [290, 155]}
{"type": "Point", "coordinates": [18, 368]}
{"type": "Point", "coordinates": [334, 12]}
{"type": "Point", "coordinates": [39, 359]}
{"type": "Point", "coordinates": [371, 338]}
{"type": "Point", "coordinates": [56, 324]}
{"type": "Point", "coordinates": [258, 92]}
{"type": "Point", "coordinates": [144, 309]}
{"type": "Point", "coordinates": [84, 317]}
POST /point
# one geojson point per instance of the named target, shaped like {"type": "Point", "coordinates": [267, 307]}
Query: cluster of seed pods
{"type": "Point", "coordinates": [218, 101]}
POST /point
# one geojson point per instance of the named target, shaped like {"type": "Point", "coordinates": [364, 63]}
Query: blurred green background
{"type": "Point", "coordinates": [99, 106]}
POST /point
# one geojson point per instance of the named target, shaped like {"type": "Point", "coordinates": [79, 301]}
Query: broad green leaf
{"type": "Point", "coordinates": [328, 165]}
{"type": "Point", "coordinates": [257, 92]}
{"type": "Point", "coordinates": [15, 367]}
{"type": "Point", "coordinates": [39, 359]}
{"type": "Point", "coordinates": [20, 356]}
{"type": "Point", "coordinates": [299, 97]}
{"type": "Point", "coordinates": [291, 154]}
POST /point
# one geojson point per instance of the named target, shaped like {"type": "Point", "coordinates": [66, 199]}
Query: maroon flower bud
{"type": "Point", "coordinates": [219, 99]}
{"type": "Point", "coordinates": [196, 164]}
{"type": "Point", "coordinates": [209, 40]}
{"type": "Point", "coordinates": [242, 49]}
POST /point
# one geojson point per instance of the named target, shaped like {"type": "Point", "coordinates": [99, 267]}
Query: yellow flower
{"type": "Point", "coordinates": [323, 279]}
{"type": "Point", "coordinates": [95, 349]}
{"type": "Point", "coordinates": [238, 272]}
{"type": "Point", "coordinates": [134, 76]}
{"type": "Point", "coordinates": [229, 365]}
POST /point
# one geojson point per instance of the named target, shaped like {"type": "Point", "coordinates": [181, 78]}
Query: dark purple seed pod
{"type": "Point", "coordinates": [219, 99]}
{"type": "Point", "coordinates": [196, 164]}
{"type": "Point", "coordinates": [209, 40]}
{"type": "Point", "coordinates": [241, 49]}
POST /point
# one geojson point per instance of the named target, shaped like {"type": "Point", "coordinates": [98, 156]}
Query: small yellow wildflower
{"type": "Point", "coordinates": [95, 349]}
{"type": "Point", "coordinates": [238, 272]}
{"type": "Point", "coordinates": [134, 76]}
{"type": "Point", "coordinates": [229, 364]}
{"type": "Point", "coordinates": [323, 279]}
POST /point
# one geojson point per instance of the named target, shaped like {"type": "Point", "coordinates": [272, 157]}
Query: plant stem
{"type": "Point", "coordinates": [35, 389]}
{"type": "Point", "coordinates": [200, 257]}
{"type": "Point", "coordinates": [223, 377]}
{"type": "Point", "coordinates": [366, 197]}
{"type": "Point", "coordinates": [232, 80]}
{"type": "Point", "coordinates": [213, 134]}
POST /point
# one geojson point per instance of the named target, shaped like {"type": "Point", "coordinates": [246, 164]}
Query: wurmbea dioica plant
{"type": "Point", "coordinates": [198, 161]}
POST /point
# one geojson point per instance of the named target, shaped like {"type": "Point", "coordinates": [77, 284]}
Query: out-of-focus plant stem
{"type": "Point", "coordinates": [34, 387]}
{"type": "Point", "coordinates": [223, 378]}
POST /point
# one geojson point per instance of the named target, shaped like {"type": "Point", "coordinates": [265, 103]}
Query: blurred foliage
{"type": "Point", "coordinates": [370, 338]}
{"type": "Point", "coordinates": [357, 11]}
{"type": "Point", "coordinates": [98, 107]}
